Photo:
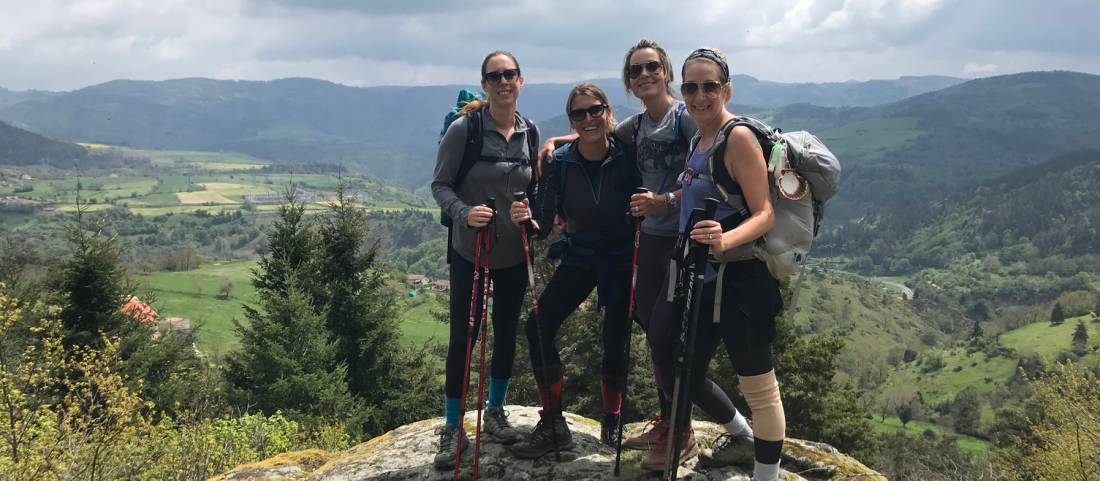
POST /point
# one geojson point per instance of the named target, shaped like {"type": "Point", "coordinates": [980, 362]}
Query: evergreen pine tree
{"type": "Point", "coordinates": [287, 361]}
{"type": "Point", "coordinates": [1080, 339]}
{"type": "Point", "coordinates": [290, 251]}
{"type": "Point", "coordinates": [362, 316]}
{"type": "Point", "coordinates": [1057, 315]}
{"type": "Point", "coordinates": [93, 283]}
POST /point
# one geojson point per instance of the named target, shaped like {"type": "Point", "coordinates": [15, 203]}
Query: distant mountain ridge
{"type": "Point", "coordinates": [392, 131]}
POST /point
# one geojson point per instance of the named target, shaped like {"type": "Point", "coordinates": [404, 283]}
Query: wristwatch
{"type": "Point", "coordinates": [670, 199]}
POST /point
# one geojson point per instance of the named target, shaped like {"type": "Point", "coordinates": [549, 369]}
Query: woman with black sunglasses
{"type": "Point", "coordinates": [658, 139]}
{"type": "Point", "coordinates": [460, 187]}
{"type": "Point", "coordinates": [589, 187]}
{"type": "Point", "coordinates": [749, 294]}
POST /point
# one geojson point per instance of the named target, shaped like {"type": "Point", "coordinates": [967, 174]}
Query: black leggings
{"type": "Point", "coordinates": [748, 290]}
{"type": "Point", "coordinates": [509, 285]}
{"type": "Point", "coordinates": [570, 286]}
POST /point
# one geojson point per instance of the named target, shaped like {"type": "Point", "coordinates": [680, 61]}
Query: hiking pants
{"type": "Point", "coordinates": [509, 286]}
{"type": "Point", "coordinates": [567, 289]}
{"type": "Point", "coordinates": [750, 302]}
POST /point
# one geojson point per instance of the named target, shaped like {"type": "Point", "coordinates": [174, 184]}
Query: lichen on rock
{"type": "Point", "coordinates": [406, 454]}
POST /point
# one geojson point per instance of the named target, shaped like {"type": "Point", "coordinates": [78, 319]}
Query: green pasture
{"type": "Point", "coordinates": [194, 295]}
{"type": "Point", "coordinates": [960, 370]}
{"type": "Point", "coordinates": [418, 324]}
{"type": "Point", "coordinates": [1049, 341]}
{"type": "Point", "coordinates": [914, 428]}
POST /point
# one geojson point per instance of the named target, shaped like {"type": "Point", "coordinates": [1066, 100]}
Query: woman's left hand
{"type": "Point", "coordinates": [708, 232]}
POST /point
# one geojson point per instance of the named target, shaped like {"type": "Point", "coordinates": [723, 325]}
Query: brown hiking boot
{"type": "Point", "coordinates": [650, 432]}
{"type": "Point", "coordinates": [655, 460]}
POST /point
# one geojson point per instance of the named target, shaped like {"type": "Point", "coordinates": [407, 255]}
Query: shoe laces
{"type": "Point", "coordinates": [724, 442]}
{"type": "Point", "coordinates": [653, 423]}
{"type": "Point", "coordinates": [501, 416]}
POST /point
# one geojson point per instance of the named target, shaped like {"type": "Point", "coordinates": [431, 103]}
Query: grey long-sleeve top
{"type": "Point", "coordinates": [504, 168]}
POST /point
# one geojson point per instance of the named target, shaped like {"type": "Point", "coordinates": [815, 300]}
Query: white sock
{"type": "Point", "coordinates": [738, 426]}
{"type": "Point", "coordinates": [765, 472]}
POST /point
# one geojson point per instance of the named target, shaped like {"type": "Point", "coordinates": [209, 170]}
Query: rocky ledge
{"type": "Point", "coordinates": [406, 454]}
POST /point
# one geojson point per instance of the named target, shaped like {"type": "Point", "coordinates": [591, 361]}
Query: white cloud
{"type": "Point", "coordinates": [59, 44]}
{"type": "Point", "coordinates": [979, 69]}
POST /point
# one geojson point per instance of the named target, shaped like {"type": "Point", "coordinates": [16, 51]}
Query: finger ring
{"type": "Point", "coordinates": [712, 236]}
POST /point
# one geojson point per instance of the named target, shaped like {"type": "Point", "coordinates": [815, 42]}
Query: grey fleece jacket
{"type": "Point", "coordinates": [504, 168]}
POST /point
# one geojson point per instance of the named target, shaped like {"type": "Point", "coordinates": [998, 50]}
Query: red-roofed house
{"type": "Point", "coordinates": [140, 311]}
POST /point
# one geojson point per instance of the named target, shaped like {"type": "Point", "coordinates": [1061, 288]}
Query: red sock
{"type": "Point", "coordinates": [550, 396]}
{"type": "Point", "coordinates": [612, 397]}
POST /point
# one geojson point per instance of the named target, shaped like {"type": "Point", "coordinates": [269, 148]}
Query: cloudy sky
{"type": "Point", "coordinates": [64, 45]}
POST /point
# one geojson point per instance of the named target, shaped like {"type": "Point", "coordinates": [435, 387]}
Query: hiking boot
{"type": "Point", "coordinates": [609, 429]}
{"type": "Point", "coordinates": [445, 458]}
{"type": "Point", "coordinates": [650, 432]}
{"type": "Point", "coordinates": [496, 425]}
{"type": "Point", "coordinates": [728, 449]}
{"type": "Point", "coordinates": [655, 460]}
{"type": "Point", "coordinates": [550, 434]}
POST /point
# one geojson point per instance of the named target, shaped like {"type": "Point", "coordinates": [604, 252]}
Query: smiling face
{"type": "Point", "coordinates": [648, 84]}
{"type": "Point", "coordinates": [590, 129]}
{"type": "Point", "coordinates": [701, 105]}
{"type": "Point", "coordinates": [505, 92]}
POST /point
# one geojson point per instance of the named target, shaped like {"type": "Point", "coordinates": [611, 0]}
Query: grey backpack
{"type": "Point", "coordinates": [803, 175]}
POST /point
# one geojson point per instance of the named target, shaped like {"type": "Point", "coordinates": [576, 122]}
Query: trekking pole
{"type": "Point", "coordinates": [460, 433]}
{"type": "Point", "coordinates": [637, 221]}
{"type": "Point", "coordinates": [529, 258]}
{"type": "Point", "coordinates": [486, 284]}
{"type": "Point", "coordinates": [681, 394]}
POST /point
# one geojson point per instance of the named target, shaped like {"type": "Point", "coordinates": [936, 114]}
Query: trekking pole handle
{"type": "Point", "coordinates": [520, 196]}
{"type": "Point", "coordinates": [711, 208]}
{"type": "Point", "coordinates": [631, 218]}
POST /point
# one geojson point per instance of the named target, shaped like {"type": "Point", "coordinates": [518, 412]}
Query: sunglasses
{"type": "Point", "coordinates": [691, 88]}
{"type": "Point", "coordinates": [494, 77]}
{"type": "Point", "coordinates": [595, 111]}
{"type": "Point", "coordinates": [635, 70]}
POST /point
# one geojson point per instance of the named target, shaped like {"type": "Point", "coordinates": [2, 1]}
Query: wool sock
{"type": "Point", "coordinates": [452, 411]}
{"type": "Point", "coordinates": [498, 389]}
{"type": "Point", "coordinates": [765, 472]}
{"type": "Point", "coordinates": [738, 426]}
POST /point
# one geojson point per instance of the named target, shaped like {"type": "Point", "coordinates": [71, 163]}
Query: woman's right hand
{"type": "Point", "coordinates": [479, 216]}
{"type": "Point", "coordinates": [520, 213]}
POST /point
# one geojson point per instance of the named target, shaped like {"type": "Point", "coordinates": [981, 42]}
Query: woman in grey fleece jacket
{"type": "Point", "coordinates": [502, 167]}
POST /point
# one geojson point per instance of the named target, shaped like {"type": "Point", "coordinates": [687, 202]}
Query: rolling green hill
{"type": "Point", "coordinates": [20, 147]}
{"type": "Point", "coordinates": [903, 160]}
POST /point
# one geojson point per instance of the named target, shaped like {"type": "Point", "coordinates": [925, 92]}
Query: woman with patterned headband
{"type": "Point", "coordinates": [746, 326]}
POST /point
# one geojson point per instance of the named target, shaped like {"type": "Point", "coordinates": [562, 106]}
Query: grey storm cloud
{"type": "Point", "coordinates": [67, 44]}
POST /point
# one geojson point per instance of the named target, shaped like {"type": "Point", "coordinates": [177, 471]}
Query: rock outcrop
{"type": "Point", "coordinates": [406, 454]}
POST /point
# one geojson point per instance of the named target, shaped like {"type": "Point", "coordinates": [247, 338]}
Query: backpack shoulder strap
{"type": "Point", "coordinates": [474, 142]}
{"type": "Point", "coordinates": [532, 140]}
{"type": "Point", "coordinates": [721, 177]}
{"type": "Point", "coordinates": [680, 137]}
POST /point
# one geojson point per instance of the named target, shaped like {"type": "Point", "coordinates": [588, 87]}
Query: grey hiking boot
{"type": "Point", "coordinates": [550, 434]}
{"type": "Point", "coordinates": [445, 458]}
{"type": "Point", "coordinates": [496, 425]}
{"type": "Point", "coordinates": [729, 449]}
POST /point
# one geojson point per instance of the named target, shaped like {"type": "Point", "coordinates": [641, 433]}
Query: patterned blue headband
{"type": "Point", "coordinates": [713, 57]}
